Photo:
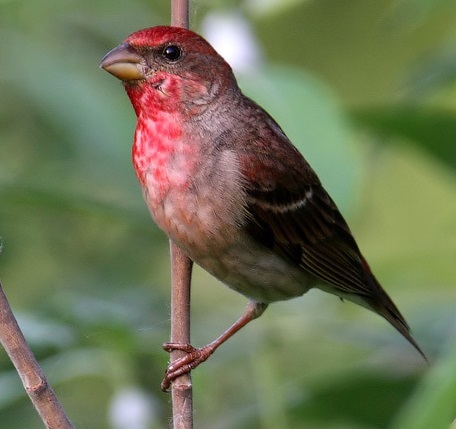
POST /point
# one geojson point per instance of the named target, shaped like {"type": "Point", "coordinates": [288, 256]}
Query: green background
{"type": "Point", "coordinates": [365, 88]}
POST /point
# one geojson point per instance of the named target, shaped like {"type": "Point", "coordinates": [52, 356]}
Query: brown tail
{"type": "Point", "coordinates": [382, 304]}
{"type": "Point", "coordinates": [389, 311]}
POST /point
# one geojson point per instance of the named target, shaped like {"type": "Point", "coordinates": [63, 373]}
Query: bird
{"type": "Point", "coordinates": [224, 182]}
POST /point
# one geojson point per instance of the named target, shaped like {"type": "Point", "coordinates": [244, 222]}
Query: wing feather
{"type": "Point", "coordinates": [290, 212]}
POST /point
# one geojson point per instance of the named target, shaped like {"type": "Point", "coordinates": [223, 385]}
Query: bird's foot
{"type": "Point", "coordinates": [184, 364]}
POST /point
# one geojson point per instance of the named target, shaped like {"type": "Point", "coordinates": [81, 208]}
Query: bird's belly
{"type": "Point", "coordinates": [192, 222]}
{"type": "Point", "coordinates": [206, 222]}
{"type": "Point", "coordinates": [193, 203]}
{"type": "Point", "coordinates": [256, 272]}
{"type": "Point", "coordinates": [221, 248]}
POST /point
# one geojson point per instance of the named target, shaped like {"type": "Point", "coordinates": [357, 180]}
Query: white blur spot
{"type": "Point", "coordinates": [270, 7]}
{"type": "Point", "coordinates": [131, 408]}
{"type": "Point", "coordinates": [232, 37]}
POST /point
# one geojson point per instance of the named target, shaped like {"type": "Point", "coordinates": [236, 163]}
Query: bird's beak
{"type": "Point", "coordinates": [123, 63]}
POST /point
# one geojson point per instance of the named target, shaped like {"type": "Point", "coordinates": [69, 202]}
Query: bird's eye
{"type": "Point", "coordinates": [172, 52]}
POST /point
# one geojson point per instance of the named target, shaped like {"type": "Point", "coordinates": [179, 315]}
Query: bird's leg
{"type": "Point", "coordinates": [195, 356]}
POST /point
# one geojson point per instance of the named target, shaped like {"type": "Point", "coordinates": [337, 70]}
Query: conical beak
{"type": "Point", "coordinates": [123, 63]}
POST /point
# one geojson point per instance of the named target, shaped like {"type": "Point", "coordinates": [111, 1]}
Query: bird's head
{"type": "Point", "coordinates": [171, 65]}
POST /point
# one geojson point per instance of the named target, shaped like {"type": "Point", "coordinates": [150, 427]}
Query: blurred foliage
{"type": "Point", "coordinates": [365, 88]}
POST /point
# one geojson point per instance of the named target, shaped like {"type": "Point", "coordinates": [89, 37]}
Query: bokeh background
{"type": "Point", "coordinates": [365, 88]}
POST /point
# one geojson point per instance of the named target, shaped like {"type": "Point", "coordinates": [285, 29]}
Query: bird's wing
{"type": "Point", "coordinates": [290, 212]}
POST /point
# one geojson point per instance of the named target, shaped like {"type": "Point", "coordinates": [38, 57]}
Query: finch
{"type": "Point", "coordinates": [223, 181]}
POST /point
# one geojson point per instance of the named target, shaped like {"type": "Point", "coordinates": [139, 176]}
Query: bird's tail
{"type": "Point", "coordinates": [389, 311]}
{"type": "Point", "coordinates": [382, 304]}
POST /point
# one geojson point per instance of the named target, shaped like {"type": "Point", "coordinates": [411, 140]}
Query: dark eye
{"type": "Point", "coordinates": [172, 52]}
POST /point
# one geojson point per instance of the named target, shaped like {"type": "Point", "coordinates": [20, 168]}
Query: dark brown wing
{"type": "Point", "coordinates": [291, 213]}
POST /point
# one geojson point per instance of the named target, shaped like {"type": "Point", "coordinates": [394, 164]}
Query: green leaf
{"type": "Point", "coordinates": [433, 129]}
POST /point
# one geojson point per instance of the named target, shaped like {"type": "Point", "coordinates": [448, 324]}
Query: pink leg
{"type": "Point", "coordinates": [195, 356]}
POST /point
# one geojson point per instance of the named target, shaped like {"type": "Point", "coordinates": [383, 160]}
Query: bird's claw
{"type": "Point", "coordinates": [184, 364]}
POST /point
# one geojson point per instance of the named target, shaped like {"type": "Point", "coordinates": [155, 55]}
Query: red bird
{"type": "Point", "coordinates": [224, 182]}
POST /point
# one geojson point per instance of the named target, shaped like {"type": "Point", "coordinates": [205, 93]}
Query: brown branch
{"type": "Point", "coordinates": [181, 271]}
{"type": "Point", "coordinates": [181, 390]}
{"type": "Point", "coordinates": [30, 372]}
{"type": "Point", "coordinates": [180, 13]}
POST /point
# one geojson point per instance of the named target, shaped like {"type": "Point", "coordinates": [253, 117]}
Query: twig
{"type": "Point", "coordinates": [30, 372]}
{"type": "Point", "coordinates": [181, 271]}
{"type": "Point", "coordinates": [181, 390]}
{"type": "Point", "coordinates": [179, 13]}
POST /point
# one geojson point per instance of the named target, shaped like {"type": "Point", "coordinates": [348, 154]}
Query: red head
{"type": "Point", "coordinates": [173, 67]}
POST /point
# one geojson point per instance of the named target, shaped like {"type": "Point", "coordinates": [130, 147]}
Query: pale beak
{"type": "Point", "coordinates": [123, 63]}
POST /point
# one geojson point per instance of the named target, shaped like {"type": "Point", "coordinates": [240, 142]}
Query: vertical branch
{"type": "Point", "coordinates": [30, 372]}
{"type": "Point", "coordinates": [181, 388]}
{"type": "Point", "coordinates": [181, 270]}
{"type": "Point", "coordinates": [180, 13]}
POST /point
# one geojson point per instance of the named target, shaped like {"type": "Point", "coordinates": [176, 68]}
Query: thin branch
{"type": "Point", "coordinates": [181, 390]}
{"type": "Point", "coordinates": [30, 372]}
{"type": "Point", "coordinates": [181, 271]}
{"type": "Point", "coordinates": [180, 13]}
